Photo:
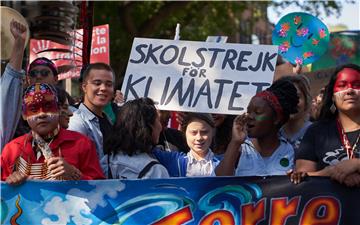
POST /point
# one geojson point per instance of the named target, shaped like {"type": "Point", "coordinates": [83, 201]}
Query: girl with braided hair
{"type": "Point", "coordinates": [256, 148]}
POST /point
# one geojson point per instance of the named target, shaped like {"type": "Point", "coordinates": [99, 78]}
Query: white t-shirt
{"type": "Point", "coordinates": [203, 167]}
{"type": "Point", "coordinates": [251, 163]}
{"type": "Point", "coordinates": [129, 167]}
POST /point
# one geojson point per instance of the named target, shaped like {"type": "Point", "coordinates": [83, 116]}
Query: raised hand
{"type": "Point", "coordinates": [297, 69]}
{"type": "Point", "coordinates": [18, 30]}
{"type": "Point", "coordinates": [239, 130]}
{"type": "Point", "coordinates": [119, 98]}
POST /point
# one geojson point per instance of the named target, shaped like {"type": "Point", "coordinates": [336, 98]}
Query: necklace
{"type": "Point", "coordinates": [345, 141]}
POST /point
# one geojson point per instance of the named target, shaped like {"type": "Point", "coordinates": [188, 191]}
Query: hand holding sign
{"type": "Point", "coordinates": [301, 37]}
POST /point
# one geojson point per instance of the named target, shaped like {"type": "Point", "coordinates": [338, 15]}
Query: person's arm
{"type": "Point", "coordinates": [228, 165]}
{"type": "Point", "coordinates": [87, 168]}
{"type": "Point", "coordinates": [12, 86]}
{"type": "Point", "coordinates": [297, 69]}
{"type": "Point", "coordinates": [18, 31]}
{"type": "Point", "coordinates": [345, 168]}
{"type": "Point", "coordinates": [304, 168]}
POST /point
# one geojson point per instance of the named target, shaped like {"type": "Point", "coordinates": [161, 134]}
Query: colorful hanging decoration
{"type": "Point", "coordinates": [301, 37]}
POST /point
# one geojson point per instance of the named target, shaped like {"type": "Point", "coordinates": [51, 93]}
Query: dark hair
{"type": "Point", "coordinates": [190, 117]}
{"type": "Point", "coordinates": [325, 113]}
{"type": "Point", "coordinates": [94, 66]}
{"type": "Point", "coordinates": [42, 61]}
{"type": "Point", "coordinates": [286, 93]}
{"type": "Point", "coordinates": [61, 95]}
{"type": "Point", "coordinates": [303, 84]}
{"type": "Point", "coordinates": [223, 135]}
{"type": "Point", "coordinates": [132, 133]}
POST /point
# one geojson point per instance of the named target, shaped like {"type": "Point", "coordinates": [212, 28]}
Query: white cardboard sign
{"type": "Point", "coordinates": [198, 76]}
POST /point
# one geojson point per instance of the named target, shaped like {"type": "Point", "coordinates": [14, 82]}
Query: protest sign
{"type": "Point", "coordinates": [227, 200]}
{"type": "Point", "coordinates": [344, 47]}
{"type": "Point", "coordinates": [302, 38]}
{"type": "Point", "coordinates": [68, 58]}
{"type": "Point", "coordinates": [198, 76]}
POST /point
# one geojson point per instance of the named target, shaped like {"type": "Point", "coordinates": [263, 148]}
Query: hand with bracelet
{"type": "Point", "coordinates": [58, 167]}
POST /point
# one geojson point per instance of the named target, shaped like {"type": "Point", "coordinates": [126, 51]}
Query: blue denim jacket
{"type": "Point", "coordinates": [85, 122]}
{"type": "Point", "coordinates": [11, 87]}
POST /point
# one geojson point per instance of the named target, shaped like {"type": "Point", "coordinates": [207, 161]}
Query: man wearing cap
{"type": "Point", "coordinates": [41, 70]}
{"type": "Point", "coordinates": [90, 119]}
{"type": "Point", "coordinates": [48, 152]}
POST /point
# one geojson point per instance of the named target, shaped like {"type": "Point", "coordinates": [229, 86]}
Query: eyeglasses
{"type": "Point", "coordinates": [35, 73]}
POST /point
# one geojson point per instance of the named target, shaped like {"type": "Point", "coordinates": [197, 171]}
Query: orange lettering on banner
{"type": "Point", "coordinates": [223, 217]}
{"type": "Point", "coordinates": [281, 209]}
{"type": "Point", "coordinates": [321, 210]}
{"type": "Point", "coordinates": [177, 218]}
{"type": "Point", "coordinates": [251, 215]}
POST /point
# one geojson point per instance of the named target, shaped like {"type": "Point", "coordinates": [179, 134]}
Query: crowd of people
{"type": "Point", "coordinates": [45, 136]}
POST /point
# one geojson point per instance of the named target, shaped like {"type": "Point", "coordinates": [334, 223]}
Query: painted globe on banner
{"type": "Point", "coordinates": [302, 38]}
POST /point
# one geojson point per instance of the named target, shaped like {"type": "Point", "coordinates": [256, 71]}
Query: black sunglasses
{"type": "Point", "coordinates": [35, 73]}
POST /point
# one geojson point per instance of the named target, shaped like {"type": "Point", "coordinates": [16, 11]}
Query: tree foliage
{"type": "Point", "coordinates": [198, 19]}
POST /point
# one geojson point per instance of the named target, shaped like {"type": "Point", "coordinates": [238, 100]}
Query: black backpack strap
{"type": "Point", "coordinates": [110, 176]}
{"type": "Point", "coordinates": [147, 168]}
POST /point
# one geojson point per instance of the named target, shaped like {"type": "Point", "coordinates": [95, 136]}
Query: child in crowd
{"type": "Point", "coordinates": [260, 151]}
{"type": "Point", "coordinates": [200, 160]}
{"type": "Point", "coordinates": [130, 144]}
{"type": "Point", "coordinates": [48, 151]}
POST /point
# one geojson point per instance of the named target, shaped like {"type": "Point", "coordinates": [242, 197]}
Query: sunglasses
{"type": "Point", "coordinates": [42, 73]}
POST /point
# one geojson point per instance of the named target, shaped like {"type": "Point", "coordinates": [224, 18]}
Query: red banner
{"type": "Point", "coordinates": [68, 58]}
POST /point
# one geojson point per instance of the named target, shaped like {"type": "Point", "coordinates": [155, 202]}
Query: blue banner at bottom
{"type": "Point", "coordinates": [205, 201]}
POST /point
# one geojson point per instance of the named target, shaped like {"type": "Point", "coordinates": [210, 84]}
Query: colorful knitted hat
{"type": "Point", "coordinates": [44, 62]}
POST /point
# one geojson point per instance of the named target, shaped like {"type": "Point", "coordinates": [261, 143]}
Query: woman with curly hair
{"type": "Point", "coordinates": [256, 148]}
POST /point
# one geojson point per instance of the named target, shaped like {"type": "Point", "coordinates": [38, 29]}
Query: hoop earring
{"type": "Point", "coordinates": [332, 108]}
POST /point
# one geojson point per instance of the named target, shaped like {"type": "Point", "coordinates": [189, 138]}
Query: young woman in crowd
{"type": "Point", "coordinates": [294, 130]}
{"type": "Point", "coordinates": [129, 147]}
{"type": "Point", "coordinates": [260, 151]}
{"type": "Point", "coordinates": [200, 160]}
{"type": "Point", "coordinates": [48, 151]}
{"type": "Point", "coordinates": [331, 146]}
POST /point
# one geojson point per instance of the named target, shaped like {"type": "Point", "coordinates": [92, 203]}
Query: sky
{"type": "Point", "coordinates": [349, 15]}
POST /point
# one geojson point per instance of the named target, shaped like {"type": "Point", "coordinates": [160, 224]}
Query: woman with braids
{"type": "Point", "coordinates": [256, 148]}
{"type": "Point", "coordinates": [294, 130]}
{"type": "Point", "coordinates": [331, 146]}
{"type": "Point", "coordinates": [129, 147]}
